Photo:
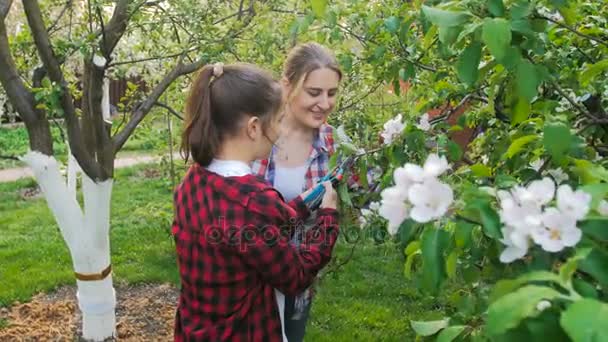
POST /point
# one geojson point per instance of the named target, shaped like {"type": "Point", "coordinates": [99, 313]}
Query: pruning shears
{"type": "Point", "coordinates": [313, 199]}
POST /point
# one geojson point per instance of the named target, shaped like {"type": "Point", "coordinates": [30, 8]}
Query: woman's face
{"type": "Point", "coordinates": [316, 99]}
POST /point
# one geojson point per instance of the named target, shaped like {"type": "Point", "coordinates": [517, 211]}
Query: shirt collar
{"type": "Point", "coordinates": [229, 168]}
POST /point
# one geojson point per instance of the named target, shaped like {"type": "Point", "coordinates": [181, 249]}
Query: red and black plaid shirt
{"type": "Point", "coordinates": [232, 240]}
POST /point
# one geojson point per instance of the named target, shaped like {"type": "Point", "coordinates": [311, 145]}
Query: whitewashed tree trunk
{"type": "Point", "coordinates": [86, 232]}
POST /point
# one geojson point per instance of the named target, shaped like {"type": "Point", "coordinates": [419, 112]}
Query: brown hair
{"type": "Point", "coordinates": [217, 103]}
{"type": "Point", "coordinates": [306, 58]}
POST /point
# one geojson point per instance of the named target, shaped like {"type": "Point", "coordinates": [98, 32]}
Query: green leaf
{"type": "Point", "coordinates": [506, 286]}
{"type": "Point", "coordinates": [557, 140]}
{"type": "Point", "coordinates": [451, 263]}
{"type": "Point", "coordinates": [496, 8]}
{"type": "Point", "coordinates": [344, 195]}
{"type": "Point", "coordinates": [468, 64]}
{"type": "Point", "coordinates": [429, 328]}
{"type": "Point", "coordinates": [591, 71]}
{"type": "Point", "coordinates": [407, 72]}
{"type": "Point", "coordinates": [597, 191]}
{"type": "Point", "coordinates": [444, 18]}
{"type": "Point", "coordinates": [521, 9]}
{"type": "Point", "coordinates": [489, 219]}
{"type": "Point", "coordinates": [449, 35]}
{"type": "Point", "coordinates": [318, 7]}
{"type": "Point", "coordinates": [481, 170]}
{"type": "Point", "coordinates": [409, 261]}
{"type": "Point", "coordinates": [392, 24]}
{"type": "Point", "coordinates": [527, 80]}
{"type": "Point", "coordinates": [569, 267]}
{"type": "Point", "coordinates": [454, 151]}
{"type": "Point", "coordinates": [412, 247]}
{"type": "Point", "coordinates": [595, 265]}
{"type": "Point", "coordinates": [434, 242]}
{"type": "Point", "coordinates": [507, 312]}
{"type": "Point", "coordinates": [450, 333]}
{"type": "Point", "coordinates": [518, 144]}
{"type": "Point", "coordinates": [497, 36]}
{"type": "Point", "coordinates": [586, 320]}
{"type": "Point", "coordinates": [524, 27]}
{"type": "Point", "coordinates": [596, 228]}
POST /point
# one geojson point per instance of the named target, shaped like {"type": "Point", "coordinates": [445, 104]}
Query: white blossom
{"type": "Point", "coordinates": [430, 200]}
{"type": "Point", "coordinates": [537, 164]}
{"type": "Point", "coordinates": [559, 176]}
{"type": "Point", "coordinates": [559, 231]}
{"type": "Point", "coordinates": [517, 242]}
{"type": "Point", "coordinates": [575, 204]}
{"type": "Point", "coordinates": [392, 129]}
{"type": "Point", "coordinates": [424, 124]}
{"type": "Point", "coordinates": [393, 208]}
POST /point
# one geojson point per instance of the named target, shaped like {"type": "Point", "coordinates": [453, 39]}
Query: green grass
{"type": "Point", "coordinates": [367, 300]}
{"type": "Point", "coordinates": [34, 257]}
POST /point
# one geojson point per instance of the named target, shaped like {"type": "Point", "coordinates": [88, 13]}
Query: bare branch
{"type": "Point", "coordinates": [67, 5]}
{"type": "Point", "coordinates": [576, 105]}
{"type": "Point", "coordinates": [571, 29]}
{"type": "Point", "coordinates": [359, 98]}
{"type": "Point", "coordinates": [103, 29]}
{"type": "Point", "coordinates": [153, 58]}
{"type": "Point", "coordinates": [144, 108]}
{"type": "Point", "coordinates": [171, 110]}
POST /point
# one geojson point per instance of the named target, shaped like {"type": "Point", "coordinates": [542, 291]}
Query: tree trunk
{"type": "Point", "coordinates": [86, 233]}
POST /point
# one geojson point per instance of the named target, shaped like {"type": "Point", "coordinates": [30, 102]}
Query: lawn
{"type": "Point", "coordinates": [367, 299]}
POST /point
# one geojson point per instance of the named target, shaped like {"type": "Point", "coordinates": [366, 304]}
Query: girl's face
{"type": "Point", "coordinates": [313, 103]}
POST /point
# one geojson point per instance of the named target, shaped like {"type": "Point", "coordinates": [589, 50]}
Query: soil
{"type": "Point", "coordinates": [143, 313]}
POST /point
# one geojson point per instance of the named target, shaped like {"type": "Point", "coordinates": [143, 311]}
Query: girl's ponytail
{"type": "Point", "coordinates": [200, 139]}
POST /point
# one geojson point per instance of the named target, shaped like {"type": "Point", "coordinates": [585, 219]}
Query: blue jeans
{"type": "Point", "coordinates": [295, 328]}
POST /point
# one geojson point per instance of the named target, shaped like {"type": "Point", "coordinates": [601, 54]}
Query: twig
{"type": "Point", "coordinates": [153, 58]}
{"type": "Point", "coordinates": [569, 28]}
{"type": "Point", "coordinates": [67, 5]}
{"type": "Point", "coordinates": [171, 110]}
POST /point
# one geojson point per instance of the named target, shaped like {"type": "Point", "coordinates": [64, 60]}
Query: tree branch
{"type": "Point", "coordinates": [171, 110]}
{"type": "Point", "coordinates": [144, 108]}
{"type": "Point", "coordinates": [20, 97]}
{"type": "Point", "coordinates": [578, 106]}
{"type": "Point", "coordinates": [43, 45]}
{"type": "Point", "coordinates": [153, 58]}
{"type": "Point", "coordinates": [571, 29]}
{"type": "Point", "coordinates": [67, 5]}
{"type": "Point", "coordinates": [5, 7]}
{"type": "Point", "coordinates": [116, 27]}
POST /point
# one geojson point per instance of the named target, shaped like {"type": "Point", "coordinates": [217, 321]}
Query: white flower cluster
{"type": "Point", "coordinates": [417, 193]}
{"type": "Point", "coordinates": [367, 214]}
{"type": "Point", "coordinates": [392, 129]}
{"type": "Point", "coordinates": [528, 218]}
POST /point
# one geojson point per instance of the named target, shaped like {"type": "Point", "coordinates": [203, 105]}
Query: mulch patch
{"type": "Point", "coordinates": [143, 313]}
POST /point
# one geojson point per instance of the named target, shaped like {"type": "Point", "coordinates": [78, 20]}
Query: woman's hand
{"type": "Point", "coordinates": [330, 198]}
